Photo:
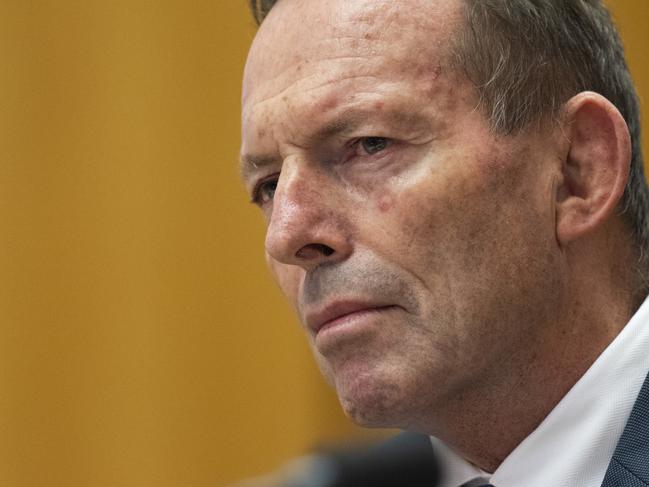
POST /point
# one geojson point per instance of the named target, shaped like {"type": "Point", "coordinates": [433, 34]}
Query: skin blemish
{"type": "Point", "coordinates": [425, 72]}
{"type": "Point", "coordinates": [385, 202]}
{"type": "Point", "coordinates": [326, 104]}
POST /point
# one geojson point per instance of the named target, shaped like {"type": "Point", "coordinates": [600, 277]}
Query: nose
{"type": "Point", "coordinates": [308, 225]}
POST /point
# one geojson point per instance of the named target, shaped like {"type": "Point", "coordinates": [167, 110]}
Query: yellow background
{"type": "Point", "coordinates": [141, 340]}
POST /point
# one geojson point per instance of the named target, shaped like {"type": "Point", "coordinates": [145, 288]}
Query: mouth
{"type": "Point", "coordinates": [341, 312]}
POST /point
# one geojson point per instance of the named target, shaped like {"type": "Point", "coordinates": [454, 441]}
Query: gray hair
{"type": "Point", "coordinates": [527, 58]}
{"type": "Point", "coordinates": [260, 9]}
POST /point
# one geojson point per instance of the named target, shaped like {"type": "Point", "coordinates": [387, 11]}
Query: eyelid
{"type": "Point", "coordinates": [255, 196]}
{"type": "Point", "coordinates": [356, 142]}
{"type": "Point", "coordinates": [351, 144]}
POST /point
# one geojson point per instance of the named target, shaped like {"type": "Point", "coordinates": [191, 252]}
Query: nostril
{"type": "Point", "coordinates": [326, 250]}
{"type": "Point", "coordinates": [312, 251]}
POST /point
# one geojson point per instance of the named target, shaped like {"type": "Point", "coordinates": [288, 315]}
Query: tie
{"type": "Point", "coordinates": [479, 482]}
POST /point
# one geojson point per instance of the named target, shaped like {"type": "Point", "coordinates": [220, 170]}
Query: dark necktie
{"type": "Point", "coordinates": [479, 482]}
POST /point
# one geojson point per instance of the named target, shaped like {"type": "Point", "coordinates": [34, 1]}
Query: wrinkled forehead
{"type": "Point", "coordinates": [298, 32]}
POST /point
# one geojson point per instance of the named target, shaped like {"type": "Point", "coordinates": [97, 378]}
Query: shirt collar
{"type": "Point", "coordinates": [457, 470]}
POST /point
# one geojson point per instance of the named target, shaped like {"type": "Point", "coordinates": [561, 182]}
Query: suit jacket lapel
{"type": "Point", "coordinates": [630, 463]}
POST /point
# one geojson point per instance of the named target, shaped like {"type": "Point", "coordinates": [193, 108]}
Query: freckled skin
{"type": "Point", "coordinates": [451, 224]}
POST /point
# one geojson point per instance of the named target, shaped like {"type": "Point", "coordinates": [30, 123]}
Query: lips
{"type": "Point", "coordinates": [317, 320]}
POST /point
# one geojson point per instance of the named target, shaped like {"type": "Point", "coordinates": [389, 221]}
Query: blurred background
{"type": "Point", "coordinates": [142, 342]}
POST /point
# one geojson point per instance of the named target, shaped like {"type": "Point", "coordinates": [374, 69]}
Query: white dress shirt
{"type": "Point", "coordinates": [574, 444]}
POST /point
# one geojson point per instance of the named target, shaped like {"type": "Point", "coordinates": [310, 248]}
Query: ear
{"type": "Point", "coordinates": [596, 165]}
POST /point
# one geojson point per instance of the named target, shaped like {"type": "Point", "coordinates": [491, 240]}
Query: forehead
{"type": "Point", "coordinates": [312, 61]}
{"type": "Point", "coordinates": [303, 34]}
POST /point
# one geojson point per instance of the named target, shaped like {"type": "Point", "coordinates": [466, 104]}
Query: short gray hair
{"type": "Point", "coordinates": [260, 9]}
{"type": "Point", "coordinates": [527, 58]}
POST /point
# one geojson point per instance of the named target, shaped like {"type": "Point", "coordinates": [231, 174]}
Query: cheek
{"type": "Point", "coordinates": [475, 231]}
{"type": "Point", "coordinates": [449, 215]}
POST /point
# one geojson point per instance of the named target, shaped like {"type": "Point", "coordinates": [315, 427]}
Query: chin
{"type": "Point", "coordinates": [375, 400]}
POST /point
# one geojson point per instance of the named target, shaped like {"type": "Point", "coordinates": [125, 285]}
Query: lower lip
{"type": "Point", "coordinates": [352, 321]}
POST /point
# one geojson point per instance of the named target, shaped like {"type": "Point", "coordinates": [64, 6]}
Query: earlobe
{"type": "Point", "coordinates": [596, 165]}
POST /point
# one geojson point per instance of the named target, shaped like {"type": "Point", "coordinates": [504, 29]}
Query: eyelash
{"type": "Point", "coordinates": [259, 187]}
{"type": "Point", "coordinates": [355, 144]}
{"type": "Point", "coordinates": [387, 143]}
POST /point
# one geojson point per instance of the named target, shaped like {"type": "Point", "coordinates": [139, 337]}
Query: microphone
{"type": "Point", "coordinates": [404, 461]}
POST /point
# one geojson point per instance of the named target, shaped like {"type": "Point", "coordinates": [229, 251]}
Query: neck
{"type": "Point", "coordinates": [485, 423]}
{"type": "Point", "coordinates": [489, 423]}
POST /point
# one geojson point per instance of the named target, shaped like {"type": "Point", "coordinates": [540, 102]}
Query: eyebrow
{"type": "Point", "coordinates": [351, 118]}
{"type": "Point", "coordinates": [348, 121]}
{"type": "Point", "coordinates": [250, 163]}
{"type": "Point", "coordinates": [345, 121]}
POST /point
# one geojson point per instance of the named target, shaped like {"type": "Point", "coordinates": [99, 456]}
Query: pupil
{"type": "Point", "coordinates": [372, 145]}
{"type": "Point", "coordinates": [269, 191]}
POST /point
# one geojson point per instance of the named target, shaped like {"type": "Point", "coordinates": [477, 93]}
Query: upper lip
{"type": "Point", "coordinates": [317, 319]}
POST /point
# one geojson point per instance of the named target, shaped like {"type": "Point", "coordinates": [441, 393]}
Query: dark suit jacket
{"type": "Point", "coordinates": [630, 464]}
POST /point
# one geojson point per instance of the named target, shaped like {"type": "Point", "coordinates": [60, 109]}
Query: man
{"type": "Point", "coordinates": [456, 208]}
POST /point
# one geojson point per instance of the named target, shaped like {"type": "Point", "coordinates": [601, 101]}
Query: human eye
{"type": "Point", "coordinates": [264, 191]}
{"type": "Point", "coordinates": [369, 146]}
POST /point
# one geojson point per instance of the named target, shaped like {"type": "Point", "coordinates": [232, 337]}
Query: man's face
{"type": "Point", "coordinates": [417, 247]}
